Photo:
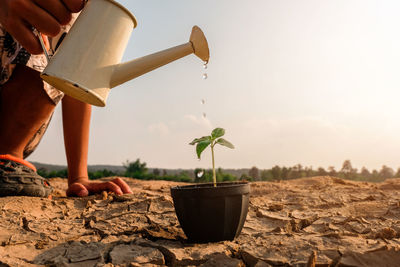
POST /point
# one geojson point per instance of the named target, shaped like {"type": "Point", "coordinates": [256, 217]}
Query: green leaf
{"type": "Point", "coordinates": [217, 132]}
{"type": "Point", "coordinates": [225, 142]}
{"type": "Point", "coordinates": [197, 140]}
{"type": "Point", "coordinates": [201, 146]}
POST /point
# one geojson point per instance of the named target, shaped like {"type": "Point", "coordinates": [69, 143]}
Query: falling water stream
{"type": "Point", "coordinates": [205, 76]}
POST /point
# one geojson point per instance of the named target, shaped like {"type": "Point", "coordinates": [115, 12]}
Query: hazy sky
{"type": "Point", "coordinates": [292, 81]}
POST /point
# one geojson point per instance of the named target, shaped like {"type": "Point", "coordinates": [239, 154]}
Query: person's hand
{"type": "Point", "coordinates": [19, 16]}
{"type": "Point", "coordinates": [83, 187]}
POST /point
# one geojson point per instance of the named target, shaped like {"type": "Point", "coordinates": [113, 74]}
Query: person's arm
{"type": "Point", "coordinates": [76, 124]}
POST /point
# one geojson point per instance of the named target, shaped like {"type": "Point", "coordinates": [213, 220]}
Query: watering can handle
{"type": "Point", "coordinates": [43, 44]}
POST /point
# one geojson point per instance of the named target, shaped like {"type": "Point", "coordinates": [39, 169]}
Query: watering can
{"type": "Point", "coordinates": [87, 63]}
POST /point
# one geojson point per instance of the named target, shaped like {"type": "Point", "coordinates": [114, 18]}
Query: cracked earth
{"type": "Point", "coordinates": [320, 221]}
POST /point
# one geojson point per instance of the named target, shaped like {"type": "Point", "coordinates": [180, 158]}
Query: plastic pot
{"type": "Point", "coordinates": [210, 214]}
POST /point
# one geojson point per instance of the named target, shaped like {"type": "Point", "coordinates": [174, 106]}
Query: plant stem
{"type": "Point", "coordinates": [213, 166]}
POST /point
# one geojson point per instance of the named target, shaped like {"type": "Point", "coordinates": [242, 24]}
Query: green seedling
{"type": "Point", "coordinates": [211, 140]}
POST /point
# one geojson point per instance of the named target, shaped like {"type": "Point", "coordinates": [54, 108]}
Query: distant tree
{"type": "Point", "coordinates": [292, 174]}
{"type": "Point", "coordinates": [276, 172]}
{"type": "Point", "coordinates": [225, 177]}
{"type": "Point", "coordinates": [100, 174]}
{"type": "Point", "coordinates": [298, 168]}
{"type": "Point", "coordinates": [347, 170]}
{"type": "Point", "coordinates": [164, 172]}
{"type": "Point", "coordinates": [386, 172]}
{"type": "Point", "coordinates": [346, 167]}
{"type": "Point", "coordinates": [332, 171]}
{"type": "Point", "coordinates": [60, 173]}
{"type": "Point", "coordinates": [43, 172]}
{"type": "Point", "coordinates": [365, 173]}
{"type": "Point", "coordinates": [184, 176]}
{"type": "Point", "coordinates": [156, 172]}
{"type": "Point", "coordinates": [321, 172]}
{"type": "Point", "coordinates": [219, 175]}
{"type": "Point", "coordinates": [285, 173]}
{"type": "Point", "coordinates": [397, 175]}
{"type": "Point", "coordinates": [295, 172]}
{"type": "Point", "coordinates": [375, 174]}
{"type": "Point", "coordinates": [246, 177]}
{"type": "Point", "coordinates": [254, 173]}
{"type": "Point", "coordinates": [135, 169]}
{"type": "Point", "coordinates": [309, 171]}
{"type": "Point", "coordinates": [266, 175]}
{"type": "Point", "coordinates": [208, 176]}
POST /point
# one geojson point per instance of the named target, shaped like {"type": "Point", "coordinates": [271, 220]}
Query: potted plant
{"type": "Point", "coordinates": [216, 211]}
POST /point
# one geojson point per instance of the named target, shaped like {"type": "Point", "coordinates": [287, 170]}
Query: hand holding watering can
{"type": "Point", "coordinates": [87, 64]}
{"type": "Point", "coordinates": [47, 16]}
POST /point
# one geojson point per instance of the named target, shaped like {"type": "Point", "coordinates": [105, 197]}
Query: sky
{"type": "Point", "coordinates": [310, 82]}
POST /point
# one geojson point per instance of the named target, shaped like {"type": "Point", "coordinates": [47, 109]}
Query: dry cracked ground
{"type": "Point", "coordinates": [320, 221]}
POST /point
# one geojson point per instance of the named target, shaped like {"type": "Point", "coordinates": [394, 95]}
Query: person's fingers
{"type": "Point", "coordinates": [77, 189]}
{"type": "Point", "coordinates": [12, 18]}
{"type": "Point", "coordinates": [57, 9]}
{"type": "Point", "coordinates": [21, 32]}
{"type": "Point", "coordinates": [123, 185]}
{"type": "Point", "coordinates": [107, 186]}
{"type": "Point", "coordinates": [74, 5]}
{"type": "Point", "coordinates": [41, 20]}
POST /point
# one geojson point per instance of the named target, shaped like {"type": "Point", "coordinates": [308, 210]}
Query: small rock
{"type": "Point", "coordinates": [275, 207]}
{"type": "Point", "coordinates": [60, 261]}
{"type": "Point", "coordinates": [386, 233]}
{"type": "Point", "coordinates": [248, 258]}
{"type": "Point", "coordinates": [262, 264]}
{"type": "Point", "coordinates": [387, 257]}
{"type": "Point", "coordinates": [41, 244]}
{"type": "Point", "coordinates": [223, 260]}
{"type": "Point", "coordinates": [89, 204]}
{"type": "Point", "coordinates": [125, 254]}
{"type": "Point", "coordinates": [78, 252]}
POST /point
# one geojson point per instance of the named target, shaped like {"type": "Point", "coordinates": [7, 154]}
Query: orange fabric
{"type": "Point", "coordinates": [23, 162]}
{"type": "Point", "coordinates": [46, 42]}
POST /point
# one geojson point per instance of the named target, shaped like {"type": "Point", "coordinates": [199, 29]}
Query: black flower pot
{"type": "Point", "coordinates": [210, 214]}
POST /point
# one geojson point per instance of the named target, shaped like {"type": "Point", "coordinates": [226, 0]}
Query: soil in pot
{"type": "Point", "coordinates": [210, 214]}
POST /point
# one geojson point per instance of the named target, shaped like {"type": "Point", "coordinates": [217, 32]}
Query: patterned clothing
{"type": "Point", "coordinates": [12, 53]}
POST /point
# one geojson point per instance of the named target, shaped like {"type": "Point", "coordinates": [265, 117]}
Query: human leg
{"type": "Point", "coordinates": [24, 107]}
{"type": "Point", "coordinates": [24, 110]}
{"type": "Point", "coordinates": [20, 120]}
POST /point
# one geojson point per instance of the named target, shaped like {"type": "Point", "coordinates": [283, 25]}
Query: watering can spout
{"type": "Point", "coordinates": [126, 71]}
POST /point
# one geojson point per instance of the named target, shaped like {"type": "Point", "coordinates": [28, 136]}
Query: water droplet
{"type": "Point", "coordinates": [200, 173]}
{"type": "Point", "coordinates": [204, 115]}
{"type": "Point", "coordinates": [205, 76]}
{"type": "Point", "coordinates": [203, 101]}
{"type": "Point", "coordinates": [205, 66]}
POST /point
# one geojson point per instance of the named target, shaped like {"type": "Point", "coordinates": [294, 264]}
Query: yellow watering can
{"type": "Point", "coordinates": [87, 63]}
